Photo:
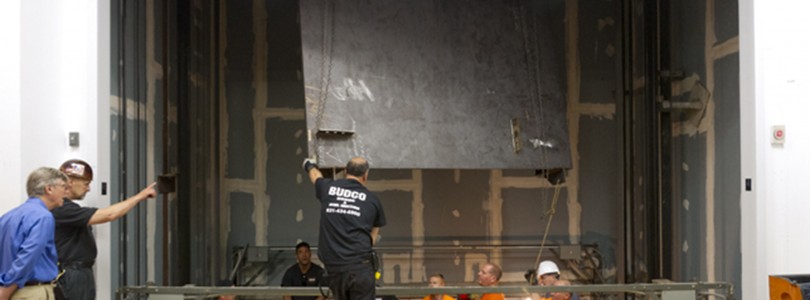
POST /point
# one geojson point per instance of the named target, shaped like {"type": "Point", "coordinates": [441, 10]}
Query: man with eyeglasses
{"type": "Point", "coordinates": [74, 236]}
{"type": "Point", "coordinates": [27, 252]}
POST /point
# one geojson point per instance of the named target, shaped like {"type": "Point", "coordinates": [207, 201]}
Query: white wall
{"type": "Point", "coordinates": [99, 10]}
{"type": "Point", "coordinates": [54, 79]}
{"type": "Point", "coordinates": [58, 92]}
{"type": "Point", "coordinates": [775, 90]}
{"type": "Point", "coordinates": [11, 178]}
{"type": "Point", "coordinates": [785, 73]}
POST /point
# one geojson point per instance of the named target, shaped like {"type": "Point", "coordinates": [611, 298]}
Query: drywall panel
{"type": "Point", "coordinates": [398, 230]}
{"type": "Point", "coordinates": [453, 206]}
{"type": "Point", "coordinates": [293, 202]}
{"type": "Point", "coordinates": [689, 38]}
{"type": "Point", "coordinates": [239, 90]}
{"type": "Point", "coordinates": [599, 185]}
{"type": "Point", "coordinates": [525, 216]}
{"type": "Point", "coordinates": [242, 230]}
{"type": "Point", "coordinates": [727, 20]}
{"type": "Point", "coordinates": [727, 183]}
{"type": "Point", "coordinates": [689, 184]}
{"type": "Point", "coordinates": [599, 51]}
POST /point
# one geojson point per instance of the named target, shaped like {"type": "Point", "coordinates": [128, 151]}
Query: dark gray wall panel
{"type": "Point", "coordinates": [433, 84]}
{"type": "Point", "coordinates": [689, 36]}
{"type": "Point", "coordinates": [599, 51]}
{"type": "Point", "coordinates": [397, 206]}
{"type": "Point", "coordinates": [442, 196]}
{"type": "Point", "coordinates": [239, 89]}
{"type": "Point", "coordinates": [284, 83]}
{"type": "Point", "coordinates": [690, 169]}
{"type": "Point", "coordinates": [524, 218]}
{"type": "Point", "coordinates": [287, 195]}
{"type": "Point", "coordinates": [727, 171]}
{"type": "Point", "coordinates": [444, 262]}
{"type": "Point", "coordinates": [519, 173]}
{"type": "Point", "coordinates": [599, 185]}
{"type": "Point", "coordinates": [243, 230]}
{"type": "Point", "coordinates": [726, 19]}
{"type": "Point", "coordinates": [389, 174]}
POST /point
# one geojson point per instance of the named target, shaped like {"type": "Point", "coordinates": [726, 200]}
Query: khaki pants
{"type": "Point", "coordinates": [34, 292]}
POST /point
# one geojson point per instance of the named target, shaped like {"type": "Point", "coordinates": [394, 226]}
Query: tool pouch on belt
{"type": "Point", "coordinates": [375, 261]}
{"type": "Point", "coordinates": [57, 288]}
{"type": "Point", "coordinates": [57, 292]}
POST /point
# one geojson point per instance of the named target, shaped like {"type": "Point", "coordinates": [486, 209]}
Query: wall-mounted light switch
{"type": "Point", "coordinates": [73, 139]}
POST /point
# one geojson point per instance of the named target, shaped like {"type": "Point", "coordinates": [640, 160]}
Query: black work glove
{"type": "Point", "coordinates": [309, 164]}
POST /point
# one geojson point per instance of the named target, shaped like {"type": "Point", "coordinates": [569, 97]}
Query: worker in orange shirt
{"type": "Point", "coordinates": [490, 275]}
{"type": "Point", "coordinates": [437, 280]}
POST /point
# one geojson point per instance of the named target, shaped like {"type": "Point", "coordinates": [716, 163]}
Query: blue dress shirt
{"type": "Point", "coordinates": [27, 251]}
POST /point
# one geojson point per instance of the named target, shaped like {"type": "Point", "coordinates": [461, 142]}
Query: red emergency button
{"type": "Point", "coordinates": [778, 134]}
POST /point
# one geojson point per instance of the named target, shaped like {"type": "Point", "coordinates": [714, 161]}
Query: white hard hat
{"type": "Point", "coordinates": [547, 267]}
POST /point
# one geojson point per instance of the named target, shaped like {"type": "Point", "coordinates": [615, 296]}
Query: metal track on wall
{"type": "Point", "coordinates": [122, 117]}
{"type": "Point", "coordinates": [646, 140]}
{"type": "Point", "coordinates": [132, 141]}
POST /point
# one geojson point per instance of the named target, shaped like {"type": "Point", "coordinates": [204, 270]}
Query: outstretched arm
{"type": "Point", "coordinates": [312, 169]}
{"type": "Point", "coordinates": [118, 210]}
{"type": "Point", "coordinates": [314, 174]}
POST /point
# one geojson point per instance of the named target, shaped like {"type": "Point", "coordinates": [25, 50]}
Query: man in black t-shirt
{"type": "Point", "coordinates": [303, 273]}
{"type": "Point", "coordinates": [351, 217]}
{"type": "Point", "coordinates": [73, 236]}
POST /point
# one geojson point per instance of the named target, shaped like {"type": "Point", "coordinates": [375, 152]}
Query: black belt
{"type": "Point", "coordinates": [77, 265]}
{"type": "Point", "coordinates": [37, 283]}
{"type": "Point", "coordinates": [370, 259]}
{"type": "Point", "coordinates": [346, 267]}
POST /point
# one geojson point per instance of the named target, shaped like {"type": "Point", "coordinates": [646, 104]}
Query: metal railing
{"type": "Point", "coordinates": [654, 291]}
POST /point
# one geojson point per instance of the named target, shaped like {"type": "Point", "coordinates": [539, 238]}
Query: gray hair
{"type": "Point", "coordinates": [43, 177]}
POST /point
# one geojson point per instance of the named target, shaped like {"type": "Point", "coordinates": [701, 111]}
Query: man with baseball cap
{"type": "Point", "coordinates": [75, 244]}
